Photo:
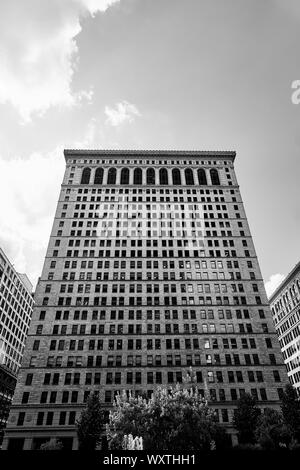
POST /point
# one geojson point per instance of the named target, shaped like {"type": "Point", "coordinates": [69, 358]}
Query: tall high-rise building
{"type": "Point", "coordinates": [285, 305]}
{"type": "Point", "coordinates": [150, 270]}
{"type": "Point", "coordinates": [16, 304]}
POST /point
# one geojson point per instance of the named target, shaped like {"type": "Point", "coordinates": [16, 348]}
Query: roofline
{"type": "Point", "coordinates": [284, 283]}
{"type": "Point", "coordinates": [17, 273]}
{"type": "Point", "coordinates": [228, 154]}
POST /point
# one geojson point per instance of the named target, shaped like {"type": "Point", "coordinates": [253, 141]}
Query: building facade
{"type": "Point", "coordinates": [285, 306]}
{"type": "Point", "coordinates": [16, 305]}
{"type": "Point", "coordinates": [150, 270]}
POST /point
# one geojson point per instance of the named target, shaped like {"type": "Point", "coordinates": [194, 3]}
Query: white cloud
{"type": "Point", "coordinates": [272, 284]}
{"type": "Point", "coordinates": [39, 54]}
{"type": "Point", "coordinates": [29, 192]}
{"type": "Point", "coordinates": [123, 112]}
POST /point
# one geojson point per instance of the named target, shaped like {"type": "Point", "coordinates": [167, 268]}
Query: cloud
{"type": "Point", "coordinates": [123, 112]}
{"type": "Point", "coordinates": [29, 192]}
{"type": "Point", "coordinates": [272, 284]}
{"type": "Point", "coordinates": [39, 54]}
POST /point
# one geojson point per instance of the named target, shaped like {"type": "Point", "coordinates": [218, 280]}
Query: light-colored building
{"type": "Point", "coordinates": [285, 305]}
{"type": "Point", "coordinates": [150, 270]}
{"type": "Point", "coordinates": [16, 305]}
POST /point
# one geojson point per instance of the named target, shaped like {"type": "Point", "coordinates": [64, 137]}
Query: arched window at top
{"type": "Point", "coordinates": [85, 177]}
{"type": "Point", "coordinates": [202, 177]}
{"type": "Point", "coordinates": [189, 177]}
{"type": "Point", "coordinates": [111, 176]}
{"type": "Point", "coordinates": [99, 176]}
{"type": "Point", "coordinates": [214, 176]}
{"type": "Point", "coordinates": [124, 176]}
{"type": "Point", "coordinates": [163, 176]}
{"type": "Point", "coordinates": [138, 176]}
{"type": "Point", "coordinates": [150, 176]}
{"type": "Point", "coordinates": [176, 177]}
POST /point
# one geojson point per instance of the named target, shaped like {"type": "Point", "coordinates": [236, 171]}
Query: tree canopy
{"type": "Point", "coordinates": [290, 407]}
{"type": "Point", "coordinates": [245, 418]}
{"type": "Point", "coordinates": [174, 419]}
{"type": "Point", "coordinates": [90, 424]}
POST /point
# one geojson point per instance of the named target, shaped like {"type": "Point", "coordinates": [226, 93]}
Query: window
{"type": "Point", "coordinates": [150, 174]}
{"type": "Point", "coordinates": [124, 176]}
{"type": "Point", "coordinates": [176, 176]}
{"type": "Point", "coordinates": [111, 176]}
{"type": "Point", "coordinates": [189, 177]}
{"type": "Point", "coordinates": [214, 176]}
{"type": "Point", "coordinates": [85, 177]}
{"type": "Point", "coordinates": [99, 176]}
{"type": "Point", "coordinates": [40, 418]}
{"type": "Point", "coordinates": [202, 177]}
{"type": "Point", "coordinates": [276, 376]}
{"type": "Point", "coordinates": [137, 176]}
{"type": "Point", "coordinates": [163, 176]}
{"type": "Point", "coordinates": [21, 418]}
{"type": "Point", "coordinates": [28, 380]}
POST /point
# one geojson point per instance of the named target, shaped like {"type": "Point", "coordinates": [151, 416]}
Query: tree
{"type": "Point", "coordinates": [245, 419]}
{"type": "Point", "coordinates": [290, 407]}
{"type": "Point", "coordinates": [53, 444]}
{"type": "Point", "coordinates": [173, 420]}
{"type": "Point", "coordinates": [271, 432]}
{"type": "Point", "coordinates": [90, 424]}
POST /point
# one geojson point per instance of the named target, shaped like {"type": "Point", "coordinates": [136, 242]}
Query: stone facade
{"type": "Point", "coordinates": [285, 306]}
{"type": "Point", "coordinates": [150, 270]}
{"type": "Point", "coordinates": [16, 304]}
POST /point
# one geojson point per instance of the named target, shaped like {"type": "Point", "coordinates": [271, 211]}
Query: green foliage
{"type": "Point", "coordinates": [173, 419]}
{"type": "Point", "coordinates": [245, 419]}
{"type": "Point", "coordinates": [271, 432]}
{"type": "Point", "coordinates": [90, 424]}
{"type": "Point", "coordinates": [290, 407]}
{"type": "Point", "coordinates": [53, 444]}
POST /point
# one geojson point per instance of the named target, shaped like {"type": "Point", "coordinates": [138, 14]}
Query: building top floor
{"type": "Point", "coordinates": [287, 284]}
{"type": "Point", "coordinates": [149, 156]}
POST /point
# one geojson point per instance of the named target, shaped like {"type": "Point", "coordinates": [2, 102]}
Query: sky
{"type": "Point", "coordinates": [150, 74]}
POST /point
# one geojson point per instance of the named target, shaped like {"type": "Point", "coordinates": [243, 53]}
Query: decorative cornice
{"type": "Point", "coordinates": [285, 282]}
{"type": "Point", "coordinates": [228, 154]}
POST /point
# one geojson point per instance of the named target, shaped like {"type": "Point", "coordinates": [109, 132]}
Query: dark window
{"type": "Point", "coordinates": [176, 176]}
{"type": "Point", "coordinates": [214, 177]}
{"type": "Point", "coordinates": [99, 176]}
{"type": "Point", "coordinates": [124, 176]}
{"type": "Point", "coordinates": [202, 177]}
{"type": "Point", "coordinates": [150, 176]}
{"type": "Point", "coordinates": [40, 418]}
{"type": "Point", "coordinates": [163, 176]}
{"type": "Point", "coordinates": [189, 177]}
{"type": "Point", "coordinates": [85, 177]}
{"type": "Point", "coordinates": [111, 176]}
{"type": "Point", "coordinates": [29, 379]}
{"type": "Point", "coordinates": [138, 176]}
{"type": "Point", "coordinates": [21, 418]}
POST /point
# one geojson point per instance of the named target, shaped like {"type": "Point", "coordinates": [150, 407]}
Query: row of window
{"type": "Point", "coordinates": [153, 343]}
{"type": "Point", "coordinates": [155, 301]}
{"type": "Point", "coordinates": [164, 254]}
{"type": "Point", "coordinates": [157, 328]}
{"type": "Point", "coordinates": [135, 176]}
{"type": "Point", "coordinates": [152, 315]}
{"type": "Point", "coordinates": [169, 360]}
{"type": "Point", "coordinates": [150, 288]}
{"type": "Point", "coordinates": [150, 377]}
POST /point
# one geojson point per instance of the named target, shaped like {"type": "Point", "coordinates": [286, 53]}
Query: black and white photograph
{"type": "Point", "coordinates": [149, 231]}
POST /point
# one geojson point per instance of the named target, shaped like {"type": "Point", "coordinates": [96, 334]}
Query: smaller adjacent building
{"type": "Point", "coordinates": [16, 305]}
{"type": "Point", "coordinates": [285, 305]}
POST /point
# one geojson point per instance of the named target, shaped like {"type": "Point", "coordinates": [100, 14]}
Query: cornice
{"type": "Point", "coordinates": [285, 282]}
{"type": "Point", "coordinates": [220, 154]}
